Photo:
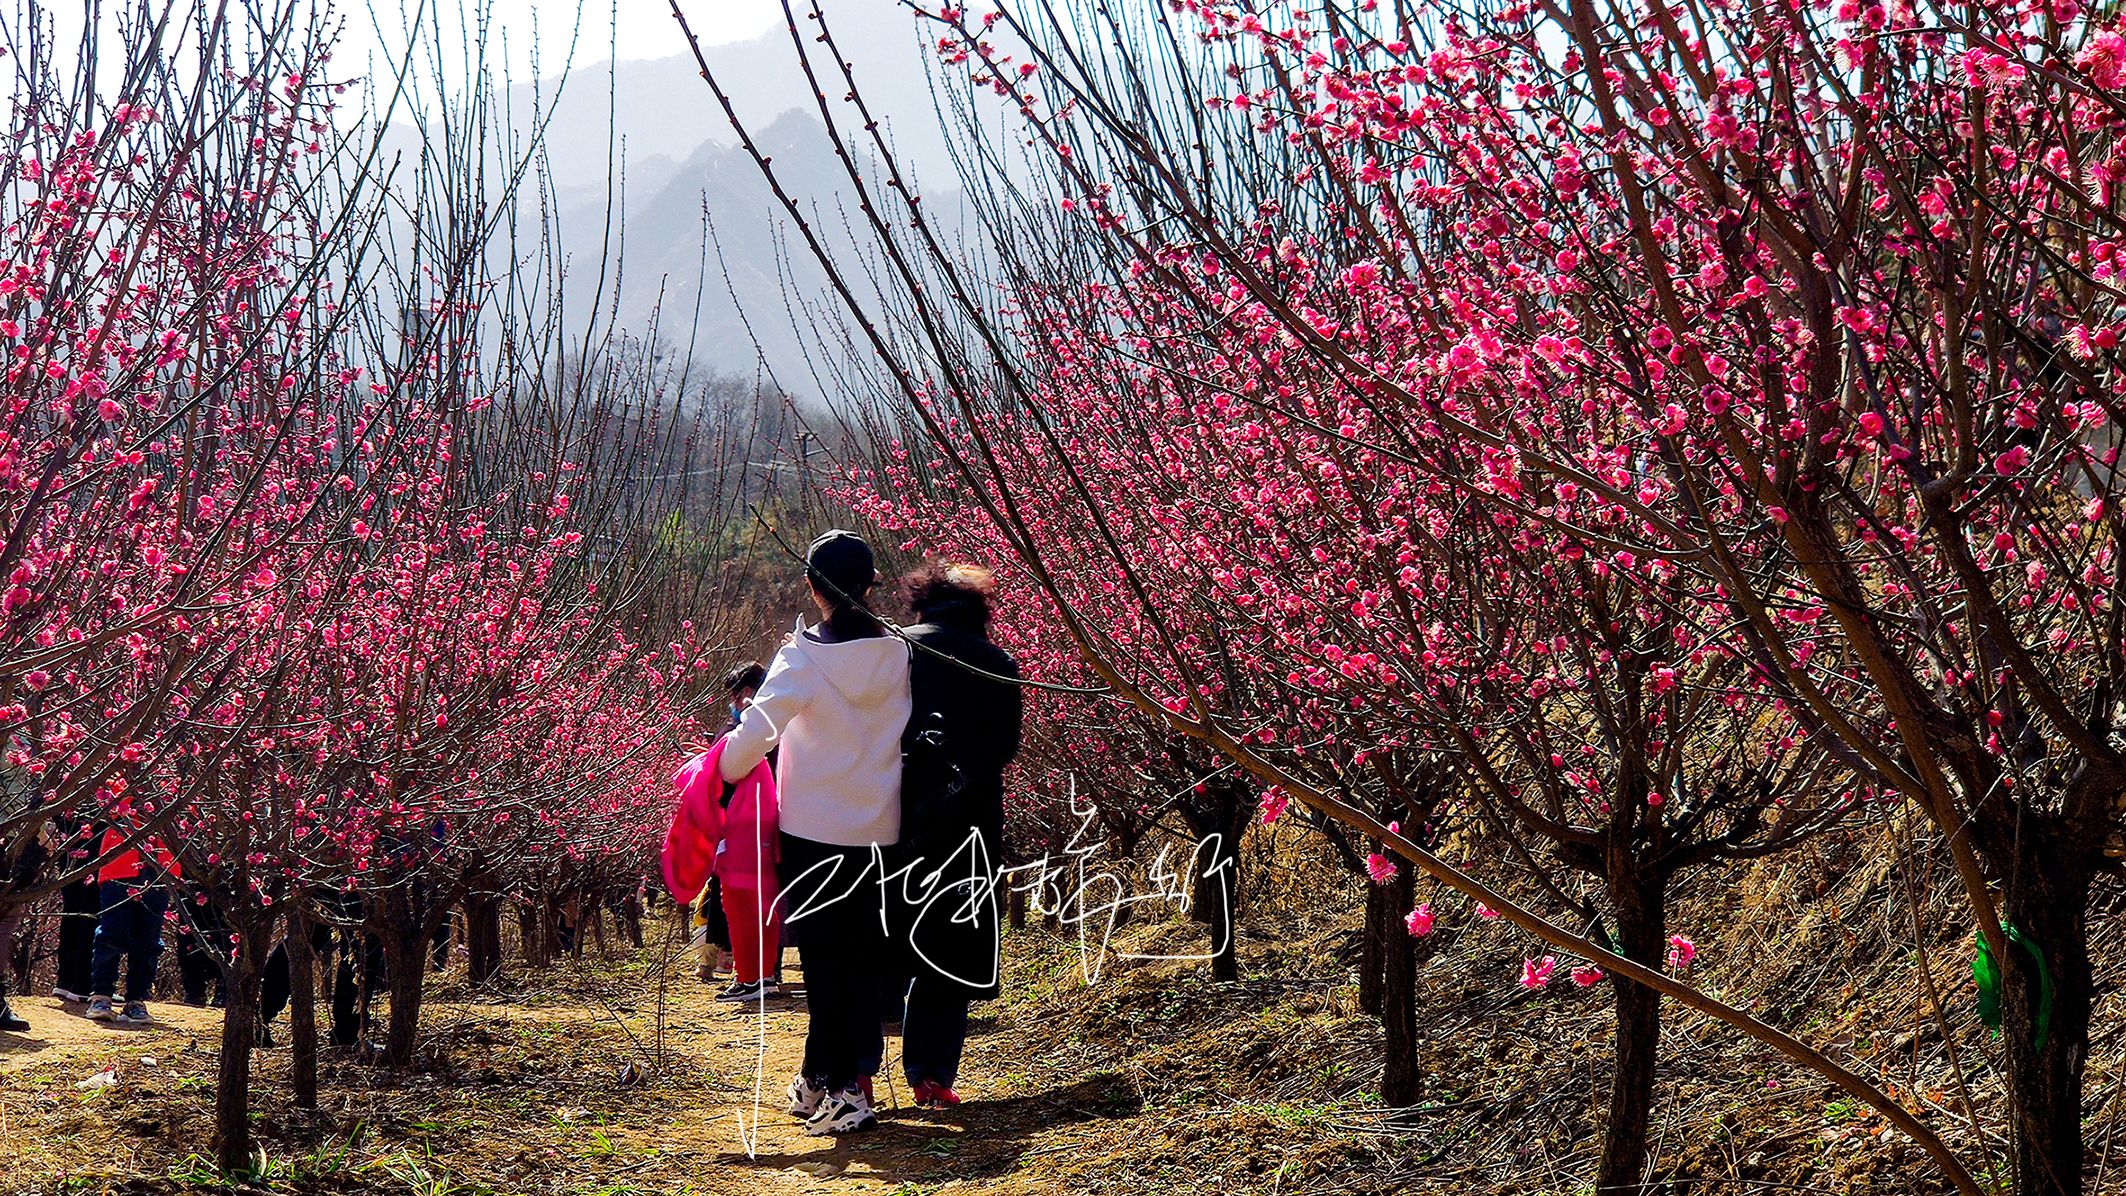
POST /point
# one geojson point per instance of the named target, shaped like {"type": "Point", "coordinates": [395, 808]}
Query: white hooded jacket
{"type": "Point", "coordinates": [838, 711]}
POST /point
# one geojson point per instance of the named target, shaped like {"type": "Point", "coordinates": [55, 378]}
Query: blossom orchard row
{"type": "Point", "coordinates": [1694, 424]}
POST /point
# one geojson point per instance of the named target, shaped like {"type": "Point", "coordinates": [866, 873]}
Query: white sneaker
{"type": "Point", "coordinates": [845, 1112]}
{"type": "Point", "coordinates": [68, 995]}
{"type": "Point", "coordinates": [806, 1096]}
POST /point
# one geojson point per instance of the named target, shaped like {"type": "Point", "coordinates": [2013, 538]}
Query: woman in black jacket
{"type": "Point", "coordinates": [962, 732]}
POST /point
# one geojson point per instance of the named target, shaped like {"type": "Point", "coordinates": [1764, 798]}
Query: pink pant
{"type": "Point", "coordinates": [756, 931]}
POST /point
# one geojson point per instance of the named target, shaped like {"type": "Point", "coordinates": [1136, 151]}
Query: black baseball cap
{"type": "Point", "coordinates": [840, 566]}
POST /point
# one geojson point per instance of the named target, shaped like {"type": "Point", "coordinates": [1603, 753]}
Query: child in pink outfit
{"type": "Point", "coordinates": [732, 832]}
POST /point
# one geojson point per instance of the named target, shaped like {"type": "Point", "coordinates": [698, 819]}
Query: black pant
{"type": "Point", "coordinates": [79, 907]}
{"type": "Point", "coordinates": [274, 985]}
{"type": "Point", "coordinates": [934, 1030]}
{"type": "Point", "coordinates": [356, 951]}
{"type": "Point", "coordinates": [202, 947]}
{"type": "Point", "coordinates": [833, 892]}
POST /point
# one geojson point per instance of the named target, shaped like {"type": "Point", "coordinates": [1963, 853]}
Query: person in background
{"type": "Point", "coordinates": [79, 906]}
{"type": "Point", "coordinates": [29, 869]}
{"type": "Point", "coordinates": [835, 702]}
{"type": "Point", "coordinates": [712, 924]}
{"type": "Point", "coordinates": [962, 733]}
{"type": "Point", "coordinates": [131, 889]}
{"type": "Point", "coordinates": [712, 933]}
{"type": "Point", "coordinates": [202, 934]}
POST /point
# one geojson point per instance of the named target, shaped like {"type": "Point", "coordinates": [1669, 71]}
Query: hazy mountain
{"type": "Point", "coordinates": [663, 107]}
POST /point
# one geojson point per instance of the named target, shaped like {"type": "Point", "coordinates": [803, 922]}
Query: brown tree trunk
{"type": "Point", "coordinates": [1401, 1081]}
{"type": "Point", "coordinates": [302, 1005]}
{"type": "Point", "coordinates": [2047, 901]}
{"type": "Point", "coordinates": [631, 920]}
{"type": "Point", "coordinates": [1017, 906]}
{"type": "Point", "coordinates": [406, 974]}
{"type": "Point", "coordinates": [531, 938]}
{"type": "Point", "coordinates": [1642, 923]}
{"type": "Point", "coordinates": [483, 937]}
{"type": "Point", "coordinates": [1216, 881]}
{"type": "Point", "coordinates": [1373, 946]}
{"type": "Point", "coordinates": [239, 1025]}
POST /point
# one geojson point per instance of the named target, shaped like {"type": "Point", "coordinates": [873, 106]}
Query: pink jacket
{"type": "Point", "coordinates": [748, 830]}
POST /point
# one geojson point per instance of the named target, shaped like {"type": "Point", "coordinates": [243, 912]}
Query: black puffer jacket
{"type": "Point", "coordinates": [963, 730]}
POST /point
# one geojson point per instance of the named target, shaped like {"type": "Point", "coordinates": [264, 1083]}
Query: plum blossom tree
{"type": "Point", "coordinates": [1791, 325]}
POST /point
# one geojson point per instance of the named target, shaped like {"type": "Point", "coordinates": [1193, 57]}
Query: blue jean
{"type": "Point", "coordinates": [934, 1031]}
{"type": "Point", "coordinates": [130, 927]}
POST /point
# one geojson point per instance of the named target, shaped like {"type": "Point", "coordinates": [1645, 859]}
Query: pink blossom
{"type": "Point", "coordinates": [1681, 951]}
{"type": "Point", "coordinates": [1587, 975]}
{"type": "Point", "coordinates": [1380, 868]}
{"type": "Point", "coordinates": [2103, 56]}
{"type": "Point", "coordinates": [1537, 975]}
{"type": "Point", "coordinates": [1273, 803]}
{"type": "Point", "coordinates": [1419, 921]}
{"type": "Point", "coordinates": [1485, 911]}
{"type": "Point", "coordinates": [2011, 461]}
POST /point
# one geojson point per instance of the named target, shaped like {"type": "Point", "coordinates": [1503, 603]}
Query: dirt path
{"type": "Point", "coordinates": [526, 1096]}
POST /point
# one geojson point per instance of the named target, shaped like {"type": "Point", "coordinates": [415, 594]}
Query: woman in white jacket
{"type": "Point", "coordinates": [836, 701]}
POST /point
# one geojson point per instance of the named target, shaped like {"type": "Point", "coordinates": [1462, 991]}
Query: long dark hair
{"type": "Point", "coordinates": [848, 620]}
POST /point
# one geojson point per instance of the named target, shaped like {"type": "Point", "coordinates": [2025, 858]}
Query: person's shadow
{"type": "Point", "coordinates": [976, 1140]}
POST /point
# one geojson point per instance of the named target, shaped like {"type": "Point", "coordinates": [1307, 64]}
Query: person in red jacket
{"type": "Point", "coordinates": [129, 928]}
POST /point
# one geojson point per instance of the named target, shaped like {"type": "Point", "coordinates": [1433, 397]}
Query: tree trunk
{"type": "Point", "coordinates": [483, 937]}
{"type": "Point", "coordinates": [2047, 900]}
{"type": "Point", "coordinates": [1642, 922]}
{"type": "Point", "coordinates": [239, 1024]}
{"type": "Point", "coordinates": [302, 1006]}
{"type": "Point", "coordinates": [1216, 881]}
{"type": "Point", "coordinates": [1373, 946]}
{"type": "Point", "coordinates": [1017, 906]}
{"type": "Point", "coordinates": [631, 920]}
{"type": "Point", "coordinates": [530, 938]}
{"type": "Point", "coordinates": [405, 960]}
{"type": "Point", "coordinates": [1401, 1081]}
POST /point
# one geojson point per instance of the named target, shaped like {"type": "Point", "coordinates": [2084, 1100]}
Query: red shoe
{"type": "Point", "coordinates": [930, 1092]}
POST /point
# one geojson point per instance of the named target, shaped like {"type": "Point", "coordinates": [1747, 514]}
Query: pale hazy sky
{"type": "Point", "coordinates": [624, 29]}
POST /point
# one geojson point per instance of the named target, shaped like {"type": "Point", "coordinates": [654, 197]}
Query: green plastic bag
{"type": "Point", "coordinates": [1987, 973]}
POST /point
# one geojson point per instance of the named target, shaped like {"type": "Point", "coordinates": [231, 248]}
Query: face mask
{"type": "Point", "coordinates": [737, 712]}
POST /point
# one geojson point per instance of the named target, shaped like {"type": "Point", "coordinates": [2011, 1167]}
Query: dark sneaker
{"type": "Point", "coordinates": [742, 993]}
{"type": "Point", "coordinates": [845, 1112]}
{"type": "Point", "coordinates": [9, 1022]}
{"type": "Point", "coordinates": [806, 1096]}
{"type": "Point", "coordinates": [136, 1014]}
{"type": "Point", "coordinates": [100, 1010]}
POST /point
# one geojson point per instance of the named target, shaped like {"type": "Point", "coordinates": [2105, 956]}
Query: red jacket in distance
{"type": "Point", "coordinates": [127, 866]}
